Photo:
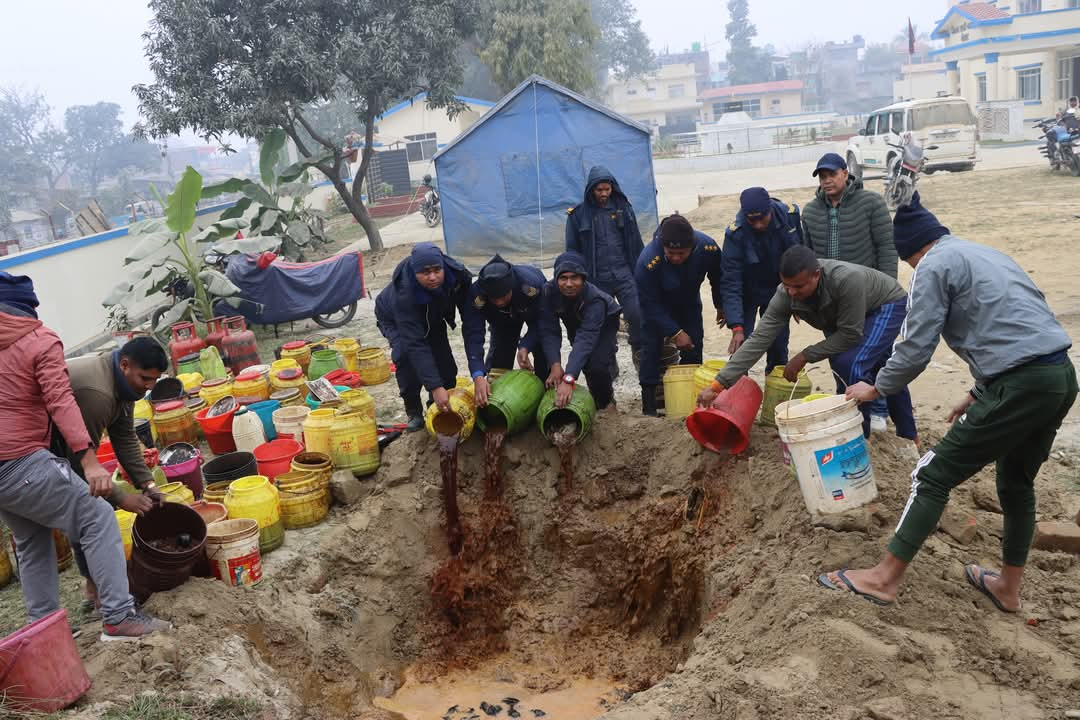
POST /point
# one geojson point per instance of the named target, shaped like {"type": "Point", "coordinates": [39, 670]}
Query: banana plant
{"type": "Point", "coordinates": [277, 207]}
{"type": "Point", "coordinates": [167, 250]}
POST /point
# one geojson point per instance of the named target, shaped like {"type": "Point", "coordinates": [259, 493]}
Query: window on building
{"type": "Point", "coordinates": [1065, 74]}
{"type": "Point", "coordinates": [631, 91]}
{"type": "Point", "coordinates": [1029, 84]}
{"type": "Point", "coordinates": [750, 107]}
{"type": "Point", "coordinates": [420, 147]}
{"type": "Point", "coordinates": [980, 81]}
{"type": "Point", "coordinates": [676, 91]}
{"type": "Point", "coordinates": [1029, 6]}
{"type": "Point", "coordinates": [1072, 4]}
{"type": "Point", "coordinates": [650, 91]}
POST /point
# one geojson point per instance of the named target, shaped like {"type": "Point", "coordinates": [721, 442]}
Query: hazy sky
{"type": "Point", "coordinates": [79, 52]}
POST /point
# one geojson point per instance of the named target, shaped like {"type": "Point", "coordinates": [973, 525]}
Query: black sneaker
{"type": "Point", "coordinates": [416, 422]}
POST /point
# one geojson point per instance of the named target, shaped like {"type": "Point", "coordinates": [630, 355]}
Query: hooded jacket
{"type": "Point", "coordinates": [93, 383]}
{"type": "Point", "coordinates": [752, 260]}
{"type": "Point", "coordinates": [524, 302]}
{"type": "Point", "coordinates": [865, 228]}
{"type": "Point", "coordinates": [583, 316]}
{"type": "Point", "coordinates": [414, 320]}
{"type": "Point", "coordinates": [665, 290]}
{"type": "Point", "coordinates": [36, 392]}
{"type": "Point", "coordinates": [580, 223]}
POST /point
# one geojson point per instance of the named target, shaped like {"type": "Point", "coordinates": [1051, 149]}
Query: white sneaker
{"type": "Point", "coordinates": [877, 424]}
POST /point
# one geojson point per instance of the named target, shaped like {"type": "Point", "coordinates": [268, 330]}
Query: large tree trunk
{"type": "Point", "coordinates": [351, 197]}
{"type": "Point", "coordinates": [361, 213]}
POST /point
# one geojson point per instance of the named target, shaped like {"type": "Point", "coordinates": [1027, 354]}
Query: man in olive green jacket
{"type": "Point", "coordinates": [860, 310]}
{"type": "Point", "coordinates": [106, 388]}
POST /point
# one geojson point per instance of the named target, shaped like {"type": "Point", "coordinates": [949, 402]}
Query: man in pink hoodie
{"type": "Point", "coordinates": [38, 490]}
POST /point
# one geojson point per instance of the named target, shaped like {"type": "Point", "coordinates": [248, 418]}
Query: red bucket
{"type": "Point", "coordinates": [726, 425]}
{"type": "Point", "coordinates": [275, 457]}
{"type": "Point", "coordinates": [40, 669]}
{"type": "Point", "coordinates": [217, 430]}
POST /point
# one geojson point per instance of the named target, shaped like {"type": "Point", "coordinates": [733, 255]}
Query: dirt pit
{"type": "Point", "coordinates": [607, 601]}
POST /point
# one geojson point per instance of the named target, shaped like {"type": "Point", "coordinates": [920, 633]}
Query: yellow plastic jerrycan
{"type": "Point", "coordinates": [462, 415]}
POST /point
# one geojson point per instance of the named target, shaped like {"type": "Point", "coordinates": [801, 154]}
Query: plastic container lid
{"type": "Point", "coordinates": [190, 358]}
{"type": "Point", "coordinates": [290, 374]}
{"type": "Point", "coordinates": [285, 394]}
{"type": "Point", "coordinates": [248, 374]}
{"type": "Point", "coordinates": [170, 406]}
{"type": "Point", "coordinates": [214, 383]}
{"type": "Point", "coordinates": [294, 345]}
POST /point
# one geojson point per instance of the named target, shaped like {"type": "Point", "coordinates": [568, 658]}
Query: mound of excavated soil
{"type": "Point", "coordinates": [717, 616]}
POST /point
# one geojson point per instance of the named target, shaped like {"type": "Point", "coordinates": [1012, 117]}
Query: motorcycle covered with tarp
{"type": "Point", "coordinates": [274, 291]}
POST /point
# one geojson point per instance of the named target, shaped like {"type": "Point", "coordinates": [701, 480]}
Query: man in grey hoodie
{"type": "Point", "coordinates": [992, 315]}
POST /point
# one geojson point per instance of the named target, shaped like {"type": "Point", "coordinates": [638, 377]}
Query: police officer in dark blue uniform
{"type": "Point", "coordinates": [604, 230]}
{"type": "Point", "coordinates": [508, 297]}
{"type": "Point", "coordinates": [669, 275]}
{"type": "Point", "coordinates": [764, 228]}
{"type": "Point", "coordinates": [413, 312]}
{"type": "Point", "coordinates": [591, 318]}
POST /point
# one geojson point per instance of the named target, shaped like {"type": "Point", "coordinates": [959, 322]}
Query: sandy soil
{"type": "Point", "coordinates": [609, 586]}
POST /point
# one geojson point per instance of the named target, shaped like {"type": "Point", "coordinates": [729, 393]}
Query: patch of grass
{"type": "Point", "coordinates": [151, 706]}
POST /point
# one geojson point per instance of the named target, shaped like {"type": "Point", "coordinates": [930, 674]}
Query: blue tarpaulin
{"type": "Point", "coordinates": [506, 183]}
{"type": "Point", "coordinates": [284, 291]}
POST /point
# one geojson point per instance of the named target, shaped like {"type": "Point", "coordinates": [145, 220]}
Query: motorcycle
{"type": "Point", "coordinates": [904, 171]}
{"type": "Point", "coordinates": [1062, 148]}
{"type": "Point", "coordinates": [273, 291]}
{"type": "Point", "coordinates": [430, 208]}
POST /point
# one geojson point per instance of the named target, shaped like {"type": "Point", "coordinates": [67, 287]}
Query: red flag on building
{"type": "Point", "coordinates": [910, 38]}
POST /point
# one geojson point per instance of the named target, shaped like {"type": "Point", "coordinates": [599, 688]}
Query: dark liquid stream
{"type": "Point", "coordinates": [448, 461]}
{"type": "Point", "coordinates": [493, 443]}
{"type": "Point", "coordinates": [565, 437]}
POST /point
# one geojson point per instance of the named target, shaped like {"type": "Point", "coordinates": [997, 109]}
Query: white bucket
{"type": "Point", "coordinates": [824, 439]}
{"type": "Point", "coordinates": [232, 547]}
{"type": "Point", "coordinates": [289, 421]}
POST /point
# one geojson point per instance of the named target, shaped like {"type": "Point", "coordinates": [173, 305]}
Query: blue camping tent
{"type": "Point", "coordinates": [507, 182]}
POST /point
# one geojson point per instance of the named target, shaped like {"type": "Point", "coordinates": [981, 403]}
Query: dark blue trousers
{"type": "Point", "coordinates": [862, 363]}
{"type": "Point", "coordinates": [624, 290]}
{"type": "Point", "coordinates": [503, 345]}
{"type": "Point", "coordinates": [652, 341]}
{"type": "Point", "coordinates": [777, 354]}
{"type": "Point", "coordinates": [601, 360]}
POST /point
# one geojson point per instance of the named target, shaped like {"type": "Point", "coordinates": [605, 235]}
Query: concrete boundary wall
{"type": "Point", "coordinates": [71, 279]}
{"type": "Point", "coordinates": [747, 160]}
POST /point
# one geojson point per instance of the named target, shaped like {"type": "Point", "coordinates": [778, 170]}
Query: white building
{"type": "Point", "coordinates": [1026, 51]}
{"type": "Point", "coordinates": [921, 81]}
{"type": "Point", "coordinates": [422, 130]}
{"type": "Point", "coordinates": [665, 101]}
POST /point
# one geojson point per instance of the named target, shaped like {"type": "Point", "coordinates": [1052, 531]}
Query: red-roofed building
{"type": "Point", "coordinates": [1023, 50]}
{"type": "Point", "coordinates": [783, 97]}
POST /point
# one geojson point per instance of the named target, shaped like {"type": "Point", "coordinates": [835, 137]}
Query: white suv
{"type": "Point", "coordinates": [946, 122]}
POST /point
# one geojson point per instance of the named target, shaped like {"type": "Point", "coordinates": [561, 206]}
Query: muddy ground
{"type": "Point", "coordinates": [608, 592]}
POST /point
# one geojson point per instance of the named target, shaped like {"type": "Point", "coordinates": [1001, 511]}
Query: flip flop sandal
{"type": "Point", "coordinates": [979, 583]}
{"type": "Point", "coordinates": [848, 586]}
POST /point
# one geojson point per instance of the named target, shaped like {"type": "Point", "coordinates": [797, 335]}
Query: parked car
{"type": "Point", "coordinates": [946, 122]}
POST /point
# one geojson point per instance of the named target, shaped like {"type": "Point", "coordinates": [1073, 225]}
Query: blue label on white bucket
{"type": "Point", "coordinates": [844, 467]}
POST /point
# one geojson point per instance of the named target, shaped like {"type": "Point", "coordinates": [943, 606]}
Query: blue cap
{"type": "Point", "coordinates": [754, 200]}
{"type": "Point", "coordinates": [424, 255]}
{"type": "Point", "coordinates": [570, 262]}
{"type": "Point", "coordinates": [830, 161]}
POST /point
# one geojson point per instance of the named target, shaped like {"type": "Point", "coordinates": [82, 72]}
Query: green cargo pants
{"type": "Point", "coordinates": [1014, 424]}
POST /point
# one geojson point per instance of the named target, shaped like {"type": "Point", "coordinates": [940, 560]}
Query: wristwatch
{"type": "Point", "coordinates": [569, 379]}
